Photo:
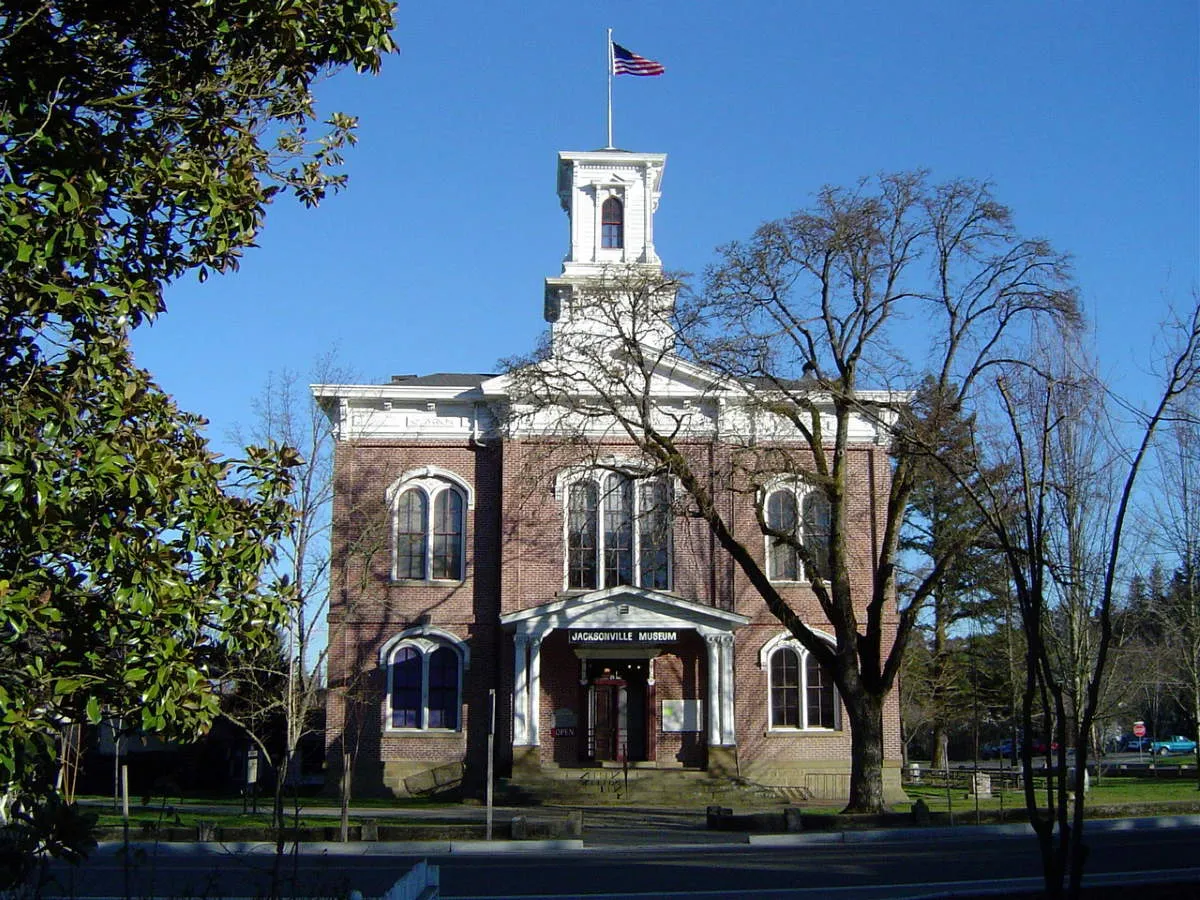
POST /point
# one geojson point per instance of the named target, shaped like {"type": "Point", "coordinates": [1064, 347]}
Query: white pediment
{"type": "Point", "coordinates": [622, 607]}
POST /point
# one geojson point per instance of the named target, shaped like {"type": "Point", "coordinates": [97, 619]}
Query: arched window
{"type": "Point", "coordinates": [424, 680]}
{"type": "Point", "coordinates": [428, 528]}
{"type": "Point", "coordinates": [618, 531]}
{"type": "Point", "coordinates": [654, 535]}
{"type": "Point", "coordinates": [411, 517]}
{"type": "Point", "coordinates": [783, 563]}
{"type": "Point", "coordinates": [802, 512]}
{"type": "Point", "coordinates": [801, 693]}
{"type": "Point", "coordinates": [582, 534]}
{"type": "Point", "coordinates": [612, 224]}
{"type": "Point", "coordinates": [407, 676]}
{"type": "Point", "coordinates": [820, 704]}
{"type": "Point", "coordinates": [816, 530]}
{"type": "Point", "coordinates": [443, 689]}
{"type": "Point", "coordinates": [447, 534]}
{"type": "Point", "coordinates": [785, 688]}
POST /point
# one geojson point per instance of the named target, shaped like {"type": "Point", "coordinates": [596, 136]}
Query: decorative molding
{"type": "Point", "coordinates": [427, 638]}
{"type": "Point", "coordinates": [422, 475]}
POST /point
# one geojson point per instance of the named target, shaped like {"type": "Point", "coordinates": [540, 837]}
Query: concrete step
{"type": "Point", "coordinates": [652, 787]}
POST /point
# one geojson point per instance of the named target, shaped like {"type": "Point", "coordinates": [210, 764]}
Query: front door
{"type": "Point", "coordinates": [608, 720]}
{"type": "Point", "coordinates": [619, 710]}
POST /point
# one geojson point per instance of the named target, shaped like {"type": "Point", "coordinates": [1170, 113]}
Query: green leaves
{"type": "Point", "coordinates": [137, 144]}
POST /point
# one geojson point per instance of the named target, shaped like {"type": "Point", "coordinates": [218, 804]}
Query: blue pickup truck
{"type": "Point", "coordinates": [1177, 744]}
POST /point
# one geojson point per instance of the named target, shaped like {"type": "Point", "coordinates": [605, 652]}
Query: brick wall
{"type": "Point", "coordinates": [515, 560]}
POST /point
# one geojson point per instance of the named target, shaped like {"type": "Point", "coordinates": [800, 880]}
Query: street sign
{"type": "Point", "coordinates": [1139, 729]}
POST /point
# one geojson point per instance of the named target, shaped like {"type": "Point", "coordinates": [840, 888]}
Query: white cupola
{"type": "Point", "coordinates": [610, 197]}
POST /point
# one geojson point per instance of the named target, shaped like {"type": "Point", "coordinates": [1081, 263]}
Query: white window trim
{"type": "Point", "coordinates": [787, 641]}
{"type": "Point", "coordinates": [425, 640]}
{"type": "Point", "coordinates": [562, 488]}
{"type": "Point", "coordinates": [800, 491]}
{"type": "Point", "coordinates": [430, 481]}
{"type": "Point", "coordinates": [603, 191]}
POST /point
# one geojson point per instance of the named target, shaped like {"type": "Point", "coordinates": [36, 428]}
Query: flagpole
{"type": "Point", "coordinates": [608, 55]}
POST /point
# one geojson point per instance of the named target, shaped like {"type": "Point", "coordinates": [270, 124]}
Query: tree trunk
{"type": "Point", "coordinates": [865, 714]}
{"type": "Point", "coordinates": [941, 746]}
{"type": "Point", "coordinates": [941, 736]}
{"type": "Point", "coordinates": [347, 780]}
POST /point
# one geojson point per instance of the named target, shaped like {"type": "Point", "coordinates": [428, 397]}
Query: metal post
{"type": "Point", "coordinates": [491, 752]}
{"type": "Point", "coordinates": [609, 57]}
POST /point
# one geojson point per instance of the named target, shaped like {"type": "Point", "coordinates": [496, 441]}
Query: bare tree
{"type": "Point", "coordinates": [1176, 532]}
{"type": "Point", "coordinates": [1062, 566]}
{"type": "Point", "coordinates": [819, 327]}
{"type": "Point", "coordinates": [287, 685]}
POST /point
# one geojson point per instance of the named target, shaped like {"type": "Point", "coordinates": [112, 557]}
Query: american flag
{"type": "Point", "coordinates": [626, 62]}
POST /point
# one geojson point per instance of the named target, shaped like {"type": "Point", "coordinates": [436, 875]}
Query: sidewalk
{"type": "Point", "coordinates": [633, 827]}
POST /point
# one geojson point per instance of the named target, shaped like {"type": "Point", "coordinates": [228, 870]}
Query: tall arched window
{"type": "Point", "coordinates": [816, 530]}
{"type": "Point", "coordinates": [443, 689]}
{"type": "Point", "coordinates": [820, 703]}
{"type": "Point", "coordinates": [785, 689]}
{"type": "Point", "coordinates": [428, 528]}
{"type": "Point", "coordinates": [424, 679]}
{"type": "Point", "coordinates": [783, 563]}
{"type": "Point", "coordinates": [618, 531]}
{"type": "Point", "coordinates": [612, 224]}
{"type": "Point", "coordinates": [407, 676]}
{"type": "Point", "coordinates": [801, 512]}
{"type": "Point", "coordinates": [582, 534]}
{"type": "Point", "coordinates": [801, 693]}
{"type": "Point", "coordinates": [654, 535]}
{"type": "Point", "coordinates": [447, 534]}
{"type": "Point", "coordinates": [411, 518]}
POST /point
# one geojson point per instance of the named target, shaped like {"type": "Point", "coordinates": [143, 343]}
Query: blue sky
{"type": "Point", "coordinates": [1085, 116]}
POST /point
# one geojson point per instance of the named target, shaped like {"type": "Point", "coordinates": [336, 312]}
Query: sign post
{"type": "Point", "coordinates": [1139, 731]}
{"type": "Point", "coordinates": [491, 752]}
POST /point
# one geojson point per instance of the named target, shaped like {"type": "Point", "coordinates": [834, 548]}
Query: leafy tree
{"type": "Point", "coordinates": [808, 327]}
{"type": "Point", "coordinates": [139, 142]}
{"type": "Point", "coordinates": [941, 517]}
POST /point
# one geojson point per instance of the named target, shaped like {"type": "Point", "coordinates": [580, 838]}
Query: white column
{"type": "Point", "coordinates": [535, 691]}
{"type": "Point", "coordinates": [598, 198]}
{"type": "Point", "coordinates": [728, 729]}
{"type": "Point", "coordinates": [647, 214]}
{"type": "Point", "coordinates": [711, 642]}
{"type": "Point", "coordinates": [520, 692]}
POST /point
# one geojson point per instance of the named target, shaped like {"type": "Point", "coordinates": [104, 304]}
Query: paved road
{"type": "Point", "coordinates": [874, 864]}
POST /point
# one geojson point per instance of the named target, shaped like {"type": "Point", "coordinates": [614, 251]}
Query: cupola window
{"type": "Point", "coordinates": [612, 224]}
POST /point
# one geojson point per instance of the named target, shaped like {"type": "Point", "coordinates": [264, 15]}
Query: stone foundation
{"type": "Point", "coordinates": [817, 779]}
{"type": "Point", "coordinates": [723, 762]}
{"type": "Point", "coordinates": [415, 778]}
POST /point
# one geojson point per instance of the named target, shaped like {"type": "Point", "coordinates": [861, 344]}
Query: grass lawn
{"type": "Point", "coordinates": [1141, 793]}
{"type": "Point", "coordinates": [1107, 791]}
{"type": "Point", "coordinates": [184, 811]}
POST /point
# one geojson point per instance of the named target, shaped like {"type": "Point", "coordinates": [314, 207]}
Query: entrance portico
{"type": "Point", "coordinates": [613, 638]}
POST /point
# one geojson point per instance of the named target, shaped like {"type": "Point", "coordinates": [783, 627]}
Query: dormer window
{"type": "Point", "coordinates": [612, 224]}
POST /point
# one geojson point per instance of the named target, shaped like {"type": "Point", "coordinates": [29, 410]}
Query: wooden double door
{"type": "Point", "coordinates": [619, 704]}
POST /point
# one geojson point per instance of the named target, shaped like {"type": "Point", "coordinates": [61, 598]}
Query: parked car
{"type": "Point", "coordinates": [1133, 744]}
{"type": "Point", "coordinates": [1177, 744]}
{"type": "Point", "coordinates": [1006, 749]}
{"type": "Point", "coordinates": [1040, 748]}
{"type": "Point", "coordinates": [997, 749]}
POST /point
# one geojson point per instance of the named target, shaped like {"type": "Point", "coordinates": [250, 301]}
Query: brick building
{"type": "Point", "coordinates": [477, 552]}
